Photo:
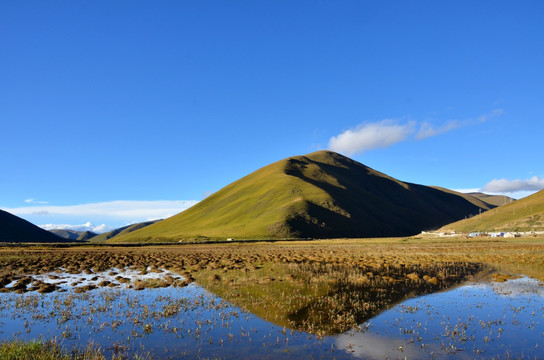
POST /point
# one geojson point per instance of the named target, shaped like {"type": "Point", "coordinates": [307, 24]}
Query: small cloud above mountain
{"type": "Point", "coordinates": [510, 186]}
{"type": "Point", "coordinates": [369, 136]}
{"type": "Point", "coordinates": [385, 133]}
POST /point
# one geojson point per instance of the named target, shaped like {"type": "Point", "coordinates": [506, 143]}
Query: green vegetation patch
{"type": "Point", "coordinates": [50, 350]}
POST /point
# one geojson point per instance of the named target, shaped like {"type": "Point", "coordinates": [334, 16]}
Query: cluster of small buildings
{"type": "Point", "coordinates": [507, 234]}
{"type": "Point", "coordinates": [495, 234]}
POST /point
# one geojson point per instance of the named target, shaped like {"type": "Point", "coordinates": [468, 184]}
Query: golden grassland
{"type": "Point", "coordinates": [320, 286]}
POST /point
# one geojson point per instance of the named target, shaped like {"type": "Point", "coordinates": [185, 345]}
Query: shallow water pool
{"type": "Point", "coordinates": [476, 320]}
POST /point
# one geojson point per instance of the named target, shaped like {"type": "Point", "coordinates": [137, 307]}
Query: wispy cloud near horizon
{"type": "Point", "coordinates": [382, 134]}
{"type": "Point", "coordinates": [34, 201]}
{"type": "Point", "coordinates": [88, 226]}
{"type": "Point", "coordinates": [516, 189]}
{"type": "Point", "coordinates": [110, 214]}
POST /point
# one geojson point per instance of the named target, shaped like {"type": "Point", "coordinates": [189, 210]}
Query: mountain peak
{"type": "Point", "coordinates": [321, 195]}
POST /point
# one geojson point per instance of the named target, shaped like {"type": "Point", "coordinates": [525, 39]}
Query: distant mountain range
{"type": "Point", "coordinates": [320, 195]}
{"type": "Point", "coordinates": [496, 200]}
{"type": "Point", "coordinates": [121, 231]}
{"type": "Point", "coordinates": [13, 229]}
{"type": "Point", "coordinates": [524, 215]}
{"type": "Point", "coordinates": [17, 230]}
{"type": "Point", "coordinates": [73, 234]}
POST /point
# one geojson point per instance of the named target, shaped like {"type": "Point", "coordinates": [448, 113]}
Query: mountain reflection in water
{"type": "Point", "coordinates": [327, 299]}
{"type": "Point", "coordinates": [474, 320]}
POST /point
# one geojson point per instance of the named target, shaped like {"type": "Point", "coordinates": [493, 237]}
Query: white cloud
{"type": "Point", "coordinates": [511, 186]}
{"type": "Point", "coordinates": [466, 191]}
{"type": "Point", "coordinates": [33, 201]}
{"type": "Point", "coordinates": [81, 227]}
{"type": "Point", "coordinates": [427, 130]}
{"type": "Point", "coordinates": [150, 210]}
{"type": "Point", "coordinates": [382, 134]}
{"type": "Point", "coordinates": [370, 136]}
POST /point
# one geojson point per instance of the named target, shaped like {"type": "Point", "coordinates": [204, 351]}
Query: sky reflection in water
{"type": "Point", "coordinates": [471, 321]}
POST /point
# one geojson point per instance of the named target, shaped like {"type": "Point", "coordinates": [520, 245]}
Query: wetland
{"type": "Point", "coordinates": [413, 298]}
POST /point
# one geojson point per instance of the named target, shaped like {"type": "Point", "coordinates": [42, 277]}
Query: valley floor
{"type": "Point", "coordinates": [523, 255]}
{"type": "Point", "coordinates": [322, 288]}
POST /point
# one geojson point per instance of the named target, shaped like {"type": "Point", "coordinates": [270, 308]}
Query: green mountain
{"type": "Point", "coordinates": [526, 214]}
{"type": "Point", "coordinates": [17, 230]}
{"type": "Point", "coordinates": [320, 195]}
{"type": "Point", "coordinates": [121, 231]}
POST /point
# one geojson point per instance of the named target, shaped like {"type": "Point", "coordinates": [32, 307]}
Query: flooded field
{"type": "Point", "coordinates": [280, 301]}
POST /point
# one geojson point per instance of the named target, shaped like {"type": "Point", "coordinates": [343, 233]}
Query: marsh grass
{"type": "Point", "coordinates": [317, 286]}
{"type": "Point", "coordinates": [50, 350]}
{"type": "Point", "coordinates": [191, 260]}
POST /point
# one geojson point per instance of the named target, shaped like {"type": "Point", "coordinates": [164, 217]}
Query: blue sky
{"type": "Point", "coordinates": [117, 112]}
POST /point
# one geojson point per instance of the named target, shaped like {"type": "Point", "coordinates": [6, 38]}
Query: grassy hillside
{"type": "Point", "coordinates": [526, 214]}
{"type": "Point", "coordinates": [321, 195]}
{"type": "Point", "coordinates": [15, 229]}
{"type": "Point", "coordinates": [120, 231]}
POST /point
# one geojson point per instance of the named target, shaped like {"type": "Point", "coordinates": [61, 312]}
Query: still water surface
{"type": "Point", "coordinates": [476, 320]}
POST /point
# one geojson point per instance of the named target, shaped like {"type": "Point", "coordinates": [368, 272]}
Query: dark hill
{"type": "Point", "coordinates": [66, 234]}
{"type": "Point", "coordinates": [320, 195]}
{"type": "Point", "coordinates": [73, 234]}
{"type": "Point", "coordinates": [17, 230]}
{"type": "Point", "coordinates": [86, 235]}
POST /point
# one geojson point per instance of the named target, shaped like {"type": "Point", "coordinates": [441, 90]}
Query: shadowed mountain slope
{"type": "Point", "coordinates": [86, 235]}
{"type": "Point", "coordinates": [120, 231]}
{"type": "Point", "coordinates": [15, 229]}
{"type": "Point", "coordinates": [73, 234]}
{"type": "Point", "coordinates": [66, 234]}
{"type": "Point", "coordinates": [320, 195]}
{"type": "Point", "coordinates": [496, 200]}
{"type": "Point", "coordinates": [525, 214]}
{"type": "Point", "coordinates": [472, 198]}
